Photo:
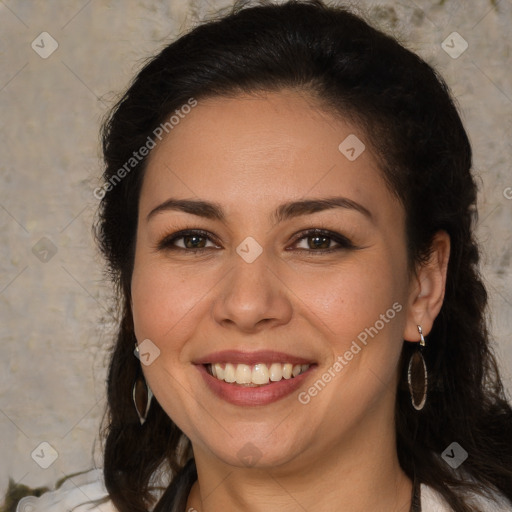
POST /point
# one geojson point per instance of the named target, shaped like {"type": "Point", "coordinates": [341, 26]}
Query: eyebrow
{"type": "Point", "coordinates": [283, 212]}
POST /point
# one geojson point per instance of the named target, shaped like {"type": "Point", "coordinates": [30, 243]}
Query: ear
{"type": "Point", "coordinates": [427, 287]}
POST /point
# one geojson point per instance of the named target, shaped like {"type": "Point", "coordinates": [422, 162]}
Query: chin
{"type": "Point", "coordinates": [256, 451]}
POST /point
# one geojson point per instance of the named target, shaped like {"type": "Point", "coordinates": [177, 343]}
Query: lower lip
{"type": "Point", "coordinates": [245, 395]}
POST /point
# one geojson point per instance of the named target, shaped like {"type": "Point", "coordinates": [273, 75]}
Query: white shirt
{"type": "Point", "coordinates": [78, 490]}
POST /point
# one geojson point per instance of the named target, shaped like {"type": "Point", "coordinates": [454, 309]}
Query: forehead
{"type": "Point", "coordinates": [259, 149]}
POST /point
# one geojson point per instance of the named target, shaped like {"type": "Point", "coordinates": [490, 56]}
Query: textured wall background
{"type": "Point", "coordinates": [56, 324]}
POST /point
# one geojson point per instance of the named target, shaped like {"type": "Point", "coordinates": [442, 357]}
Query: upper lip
{"type": "Point", "coordinates": [251, 358]}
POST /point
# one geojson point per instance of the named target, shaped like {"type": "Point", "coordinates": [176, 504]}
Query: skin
{"type": "Point", "coordinates": [250, 154]}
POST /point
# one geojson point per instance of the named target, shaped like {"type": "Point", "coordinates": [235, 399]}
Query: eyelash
{"type": "Point", "coordinates": [343, 242]}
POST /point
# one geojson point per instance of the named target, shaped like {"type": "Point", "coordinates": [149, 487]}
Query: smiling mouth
{"type": "Point", "coordinates": [256, 375]}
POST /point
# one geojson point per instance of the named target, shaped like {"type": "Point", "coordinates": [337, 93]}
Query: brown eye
{"type": "Point", "coordinates": [321, 241]}
{"type": "Point", "coordinates": [189, 240]}
{"type": "Point", "coordinates": [194, 241]}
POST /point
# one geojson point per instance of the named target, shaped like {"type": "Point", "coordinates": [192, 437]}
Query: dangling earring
{"type": "Point", "coordinates": [417, 376]}
{"type": "Point", "coordinates": [142, 396]}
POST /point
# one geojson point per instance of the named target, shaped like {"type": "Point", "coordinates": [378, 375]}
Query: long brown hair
{"type": "Point", "coordinates": [407, 112]}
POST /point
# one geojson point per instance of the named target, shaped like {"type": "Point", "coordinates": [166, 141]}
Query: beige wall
{"type": "Point", "coordinates": [55, 319]}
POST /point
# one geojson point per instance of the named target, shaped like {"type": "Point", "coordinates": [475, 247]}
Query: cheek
{"type": "Point", "coordinates": [359, 311]}
{"type": "Point", "coordinates": [155, 304]}
{"type": "Point", "coordinates": [351, 298]}
{"type": "Point", "coordinates": [168, 300]}
{"type": "Point", "coordinates": [165, 304]}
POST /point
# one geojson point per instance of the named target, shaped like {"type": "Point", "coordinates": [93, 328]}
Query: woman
{"type": "Point", "coordinates": [287, 211]}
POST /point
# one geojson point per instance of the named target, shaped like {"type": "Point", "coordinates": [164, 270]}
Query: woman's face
{"type": "Point", "coordinates": [257, 293]}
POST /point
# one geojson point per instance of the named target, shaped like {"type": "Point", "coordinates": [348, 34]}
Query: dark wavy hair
{"type": "Point", "coordinates": [410, 120]}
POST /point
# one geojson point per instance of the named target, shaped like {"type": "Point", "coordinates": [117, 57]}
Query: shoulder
{"type": "Point", "coordinates": [432, 501]}
{"type": "Point", "coordinates": [81, 493]}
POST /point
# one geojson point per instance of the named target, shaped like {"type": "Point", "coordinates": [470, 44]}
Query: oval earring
{"type": "Point", "coordinates": [417, 375]}
{"type": "Point", "coordinates": [141, 396]}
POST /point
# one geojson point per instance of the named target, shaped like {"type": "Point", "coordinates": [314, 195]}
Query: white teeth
{"type": "Point", "coordinates": [257, 375]}
{"type": "Point", "coordinates": [260, 374]}
{"type": "Point", "coordinates": [276, 372]}
{"type": "Point", "coordinates": [218, 372]}
{"type": "Point", "coordinates": [229, 373]}
{"type": "Point", "coordinates": [243, 374]}
{"type": "Point", "coordinates": [287, 371]}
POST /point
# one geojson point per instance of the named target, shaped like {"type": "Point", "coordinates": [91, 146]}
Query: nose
{"type": "Point", "coordinates": [253, 297]}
